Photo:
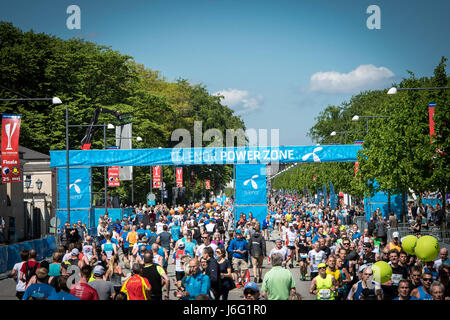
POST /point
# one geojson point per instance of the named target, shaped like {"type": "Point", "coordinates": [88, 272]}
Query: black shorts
{"type": "Point", "coordinates": [179, 275]}
{"type": "Point", "coordinates": [125, 251]}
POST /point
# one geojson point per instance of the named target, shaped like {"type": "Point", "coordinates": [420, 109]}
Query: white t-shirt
{"type": "Point", "coordinates": [283, 251]}
{"type": "Point", "coordinates": [316, 258]}
{"type": "Point", "coordinates": [159, 227]}
{"type": "Point", "coordinates": [20, 286]}
{"type": "Point", "coordinates": [200, 248]}
{"type": "Point", "coordinates": [210, 227]}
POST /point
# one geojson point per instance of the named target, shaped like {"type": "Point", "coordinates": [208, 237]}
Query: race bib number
{"type": "Point", "coordinates": [303, 255]}
{"type": "Point", "coordinates": [324, 293]}
{"type": "Point", "coordinates": [396, 278]}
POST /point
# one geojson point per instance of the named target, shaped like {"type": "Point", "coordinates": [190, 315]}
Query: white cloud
{"type": "Point", "coordinates": [240, 100]}
{"type": "Point", "coordinates": [364, 77]}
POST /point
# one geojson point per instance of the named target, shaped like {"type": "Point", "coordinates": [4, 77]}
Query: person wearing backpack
{"type": "Point", "coordinates": [257, 252]}
{"type": "Point", "coordinates": [29, 268]}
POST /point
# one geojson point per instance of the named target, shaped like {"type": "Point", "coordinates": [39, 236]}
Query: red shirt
{"type": "Point", "coordinates": [84, 291]}
{"type": "Point", "coordinates": [31, 264]}
{"type": "Point", "coordinates": [135, 287]}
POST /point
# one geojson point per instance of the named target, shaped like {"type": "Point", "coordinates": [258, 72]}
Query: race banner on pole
{"type": "Point", "coordinates": [251, 190]}
{"type": "Point", "coordinates": [10, 148]}
{"type": "Point", "coordinates": [179, 176]}
{"type": "Point", "coordinates": [157, 177]}
{"type": "Point", "coordinates": [431, 107]}
{"type": "Point", "coordinates": [207, 184]}
{"type": "Point", "coordinates": [206, 156]}
{"type": "Point", "coordinates": [113, 177]}
{"type": "Point", "coordinates": [251, 184]}
{"type": "Point", "coordinates": [358, 143]}
{"type": "Point", "coordinates": [79, 188]}
{"type": "Point", "coordinates": [325, 200]}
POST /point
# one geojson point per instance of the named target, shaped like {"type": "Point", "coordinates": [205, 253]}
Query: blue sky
{"type": "Point", "coordinates": [278, 63]}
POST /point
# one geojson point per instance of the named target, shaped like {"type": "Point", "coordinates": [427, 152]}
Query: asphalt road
{"type": "Point", "coordinates": [8, 291]}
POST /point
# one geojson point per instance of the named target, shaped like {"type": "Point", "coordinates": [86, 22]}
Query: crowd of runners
{"type": "Point", "coordinates": [213, 254]}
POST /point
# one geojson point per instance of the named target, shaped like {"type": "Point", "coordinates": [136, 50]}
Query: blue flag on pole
{"type": "Point", "coordinates": [325, 200]}
{"type": "Point", "coordinates": [332, 197]}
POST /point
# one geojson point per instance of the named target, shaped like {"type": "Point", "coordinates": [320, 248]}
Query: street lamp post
{"type": "Point", "coordinates": [394, 90]}
{"type": "Point", "coordinates": [356, 118]}
{"type": "Point", "coordinates": [334, 133]}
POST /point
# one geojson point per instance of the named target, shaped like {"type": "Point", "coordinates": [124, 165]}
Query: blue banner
{"type": "Point", "coordinates": [192, 156]}
{"type": "Point", "coordinates": [251, 184]}
{"type": "Point", "coordinates": [258, 212]}
{"type": "Point", "coordinates": [318, 196]}
{"type": "Point", "coordinates": [325, 200]}
{"type": "Point", "coordinates": [79, 186]}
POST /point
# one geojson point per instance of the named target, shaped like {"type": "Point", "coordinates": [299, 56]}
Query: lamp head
{"type": "Point", "coordinates": [333, 133]}
{"type": "Point", "coordinates": [355, 118]}
{"type": "Point", "coordinates": [392, 90]}
{"type": "Point", "coordinates": [56, 100]}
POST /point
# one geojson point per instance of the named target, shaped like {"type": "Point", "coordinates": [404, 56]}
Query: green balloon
{"type": "Point", "coordinates": [409, 243]}
{"type": "Point", "coordinates": [427, 248]}
{"type": "Point", "coordinates": [382, 271]}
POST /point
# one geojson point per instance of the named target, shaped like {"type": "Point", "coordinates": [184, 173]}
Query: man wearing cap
{"type": "Point", "coordinates": [395, 243]}
{"type": "Point", "coordinates": [251, 291]}
{"type": "Point", "coordinates": [324, 284]}
{"type": "Point", "coordinates": [238, 249]}
{"type": "Point", "coordinates": [105, 289]}
{"type": "Point", "coordinates": [39, 290]}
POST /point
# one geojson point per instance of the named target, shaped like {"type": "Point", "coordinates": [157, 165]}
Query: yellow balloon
{"type": "Point", "coordinates": [382, 271]}
{"type": "Point", "coordinates": [409, 244]}
{"type": "Point", "coordinates": [427, 248]}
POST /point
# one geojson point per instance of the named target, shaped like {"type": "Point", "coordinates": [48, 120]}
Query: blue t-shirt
{"type": "Point", "coordinates": [124, 235]}
{"type": "Point", "coordinates": [142, 231]}
{"type": "Point", "coordinates": [176, 232]}
{"type": "Point", "coordinates": [196, 285]}
{"type": "Point", "coordinates": [410, 298]}
{"type": "Point", "coordinates": [39, 291]}
{"type": "Point", "coordinates": [62, 296]}
{"type": "Point", "coordinates": [189, 248]}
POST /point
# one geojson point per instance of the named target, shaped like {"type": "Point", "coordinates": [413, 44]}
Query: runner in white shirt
{"type": "Point", "coordinates": [279, 248]}
{"type": "Point", "coordinates": [16, 275]}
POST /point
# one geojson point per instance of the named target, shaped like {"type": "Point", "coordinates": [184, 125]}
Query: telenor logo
{"type": "Point", "coordinates": [253, 183]}
{"type": "Point", "coordinates": [75, 186]}
{"type": "Point", "coordinates": [315, 156]}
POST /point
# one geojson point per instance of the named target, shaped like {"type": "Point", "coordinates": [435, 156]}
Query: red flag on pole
{"type": "Point", "coordinates": [431, 107]}
{"type": "Point", "coordinates": [10, 148]}
{"type": "Point", "coordinates": [113, 177]}
{"type": "Point", "coordinates": [157, 177]}
{"type": "Point", "coordinates": [179, 176]}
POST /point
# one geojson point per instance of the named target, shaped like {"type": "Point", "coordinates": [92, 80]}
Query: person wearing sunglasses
{"type": "Point", "coordinates": [423, 292]}
{"type": "Point", "coordinates": [251, 291]}
{"type": "Point", "coordinates": [324, 285]}
{"type": "Point", "coordinates": [366, 288]}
